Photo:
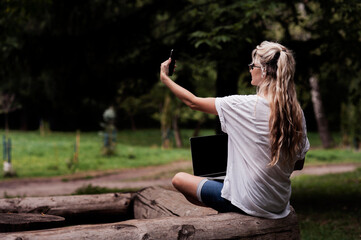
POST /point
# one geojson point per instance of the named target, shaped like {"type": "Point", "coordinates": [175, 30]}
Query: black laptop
{"type": "Point", "coordinates": [209, 156]}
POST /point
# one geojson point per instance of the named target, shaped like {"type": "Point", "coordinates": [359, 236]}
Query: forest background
{"type": "Point", "coordinates": [64, 62]}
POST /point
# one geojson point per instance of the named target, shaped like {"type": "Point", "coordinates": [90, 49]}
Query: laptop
{"type": "Point", "coordinates": [209, 156]}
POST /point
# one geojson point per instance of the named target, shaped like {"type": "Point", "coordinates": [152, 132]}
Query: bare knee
{"type": "Point", "coordinates": [187, 184]}
{"type": "Point", "coordinates": [178, 179]}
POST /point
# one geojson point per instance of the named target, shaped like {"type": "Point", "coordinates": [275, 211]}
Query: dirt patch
{"type": "Point", "coordinates": [64, 185]}
{"type": "Point", "coordinates": [125, 179]}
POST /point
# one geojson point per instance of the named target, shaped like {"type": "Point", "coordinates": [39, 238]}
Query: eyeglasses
{"type": "Point", "coordinates": [251, 66]}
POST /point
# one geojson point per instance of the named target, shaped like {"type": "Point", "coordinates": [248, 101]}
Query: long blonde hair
{"type": "Point", "coordinates": [285, 123]}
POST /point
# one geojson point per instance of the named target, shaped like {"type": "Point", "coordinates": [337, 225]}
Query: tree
{"type": "Point", "coordinates": [7, 105]}
{"type": "Point", "coordinates": [71, 57]}
{"type": "Point", "coordinates": [331, 49]}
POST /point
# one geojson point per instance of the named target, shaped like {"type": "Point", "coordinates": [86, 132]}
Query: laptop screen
{"type": "Point", "coordinates": [209, 155]}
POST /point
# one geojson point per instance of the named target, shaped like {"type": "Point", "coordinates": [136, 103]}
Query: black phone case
{"type": "Point", "coordinates": [172, 63]}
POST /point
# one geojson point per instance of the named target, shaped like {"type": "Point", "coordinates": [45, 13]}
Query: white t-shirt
{"type": "Point", "coordinates": [250, 184]}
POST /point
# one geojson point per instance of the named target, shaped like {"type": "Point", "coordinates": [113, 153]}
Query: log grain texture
{"type": "Point", "coordinates": [155, 202]}
{"type": "Point", "coordinates": [173, 223]}
{"type": "Point", "coordinates": [68, 206]}
{"type": "Point", "coordinates": [217, 226]}
{"type": "Point", "coordinates": [12, 222]}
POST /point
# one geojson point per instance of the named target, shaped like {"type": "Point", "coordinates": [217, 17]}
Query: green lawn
{"type": "Point", "coordinates": [329, 206]}
{"type": "Point", "coordinates": [317, 155]}
{"type": "Point", "coordinates": [41, 156]}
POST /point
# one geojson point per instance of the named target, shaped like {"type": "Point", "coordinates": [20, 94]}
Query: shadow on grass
{"type": "Point", "coordinates": [329, 206]}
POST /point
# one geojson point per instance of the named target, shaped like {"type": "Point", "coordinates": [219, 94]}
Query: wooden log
{"type": "Point", "coordinates": [210, 226]}
{"type": "Point", "coordinates": [155, 202]}
{"type": "Point", "coordinates": [12, 222]}
{"type": "Point", "coordinates": [217, 226]}
{"type": "Point", "coordinates": [81, 208]}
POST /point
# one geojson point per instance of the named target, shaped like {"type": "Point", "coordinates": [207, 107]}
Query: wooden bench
{"type": "Point", "coordinates": [165, 214]}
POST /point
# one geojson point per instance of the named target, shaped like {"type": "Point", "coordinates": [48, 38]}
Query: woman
{"type": "Point", "coordinates": [266, 136]}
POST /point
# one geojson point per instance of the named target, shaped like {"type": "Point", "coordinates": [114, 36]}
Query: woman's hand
{"type": "Point", "coordinates": [206, 105]}
{"type": "Point", "coordinates": [164, 69]}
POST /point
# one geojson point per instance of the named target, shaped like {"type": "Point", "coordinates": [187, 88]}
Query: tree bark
{"type": "Point", "coordinates": [75, 209]}
{"type": "Point", "coordinates": [132, 122]}
{"type": "Point", "coordinates": [165, 122]}
{"type": "Point", "coordinates": [192, 224]}
{"type": "Point", "coordinates": [177, 134]}
{"type": "Point", "coordinates": [321, 119]}
{"type": "Point", "coordinates": [158, 202]}
{"type": "Point", "coordinates": [226, 83]}
{"type": "Point", "coordinates": [12, 222]}
{"type": "Point", "coordinates": [217, 226]}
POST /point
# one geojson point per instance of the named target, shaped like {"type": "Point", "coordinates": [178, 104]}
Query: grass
{"type": "Point", "coordinates": [44, 156]}
{"type": "Point", "coordinates": [328, 206]}
{"type": "Point", "coordinates": [317, 155]}
{"type": "Point", "coordinates": [34, 155]}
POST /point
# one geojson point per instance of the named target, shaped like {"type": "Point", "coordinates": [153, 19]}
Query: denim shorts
{"type": "Point", "coordinates": [209, 193]}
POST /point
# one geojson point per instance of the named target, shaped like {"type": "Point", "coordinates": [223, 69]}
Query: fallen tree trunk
{"type": "Point", "coordinates": [81, 208]}
{"type": "Point", "coordinates": [218, 226]}
{"type": "Point", "coordinates": [12, 222]}
{"type": "Point", "coordinates": [209, 226]}
{"type": "Point", "coordinates": [155, 202]}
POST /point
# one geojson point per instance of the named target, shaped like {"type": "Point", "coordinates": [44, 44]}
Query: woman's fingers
{"type": "Point", "coordinates": [164, 67]}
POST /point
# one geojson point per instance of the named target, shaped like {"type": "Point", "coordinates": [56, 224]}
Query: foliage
{"type": "Point", "coordinates": [71, 57]}
{"type": "Point", "coordinates": [69, 60]}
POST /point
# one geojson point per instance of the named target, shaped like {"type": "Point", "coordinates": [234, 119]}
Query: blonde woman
{"type": "Point", "coordinates": [266, 136]}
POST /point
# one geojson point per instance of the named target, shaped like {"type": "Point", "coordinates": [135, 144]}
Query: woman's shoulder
{"type": "Point", "coordinates": [244, 99]}
{"type": "Point", "coordinates": [239, 98]}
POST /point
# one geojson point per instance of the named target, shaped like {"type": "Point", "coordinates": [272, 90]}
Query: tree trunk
{"type": "Point", "coordinates": [132, 122]}
{"type": "Point", "coordinates": [155, 202]}
{"type": "Point", "coordinates": [191, 225]}
{"type": "Point", "coordinates": [6, 124]}
{"type": "Point", "coordinates": [218, 226]}
{"type": "Point", "coordinates": [88, 208]}
{"type": "Point", "coordinates": [165, 122]}
{"type": "Point", "coordinates": [198, 127]}
{"type": "Point", "coordinates": [226, 83]}
{"type": "Point", "coordinates": [177, 134]}
{"type": "Point", "coordinates": [321, 119]}
{"type": "Point", "coordinates": [12, 222]}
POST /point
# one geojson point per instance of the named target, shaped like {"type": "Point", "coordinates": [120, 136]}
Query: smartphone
{"type": "Point", "coordinates": [172, 62]}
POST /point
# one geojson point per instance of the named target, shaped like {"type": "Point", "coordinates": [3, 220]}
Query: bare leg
{"type": "Point", "coordinates": [187, 184]}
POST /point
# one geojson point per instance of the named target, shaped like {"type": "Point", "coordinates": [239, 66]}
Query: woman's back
{"type": "Point", "coordinates": [251, 184]}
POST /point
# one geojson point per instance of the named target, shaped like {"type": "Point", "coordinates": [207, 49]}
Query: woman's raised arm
{"type": "Point", "coordinates": [206, 105]}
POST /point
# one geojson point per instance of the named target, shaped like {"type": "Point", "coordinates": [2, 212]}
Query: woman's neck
{"type": "Point", "coordinates": [262, 93]}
